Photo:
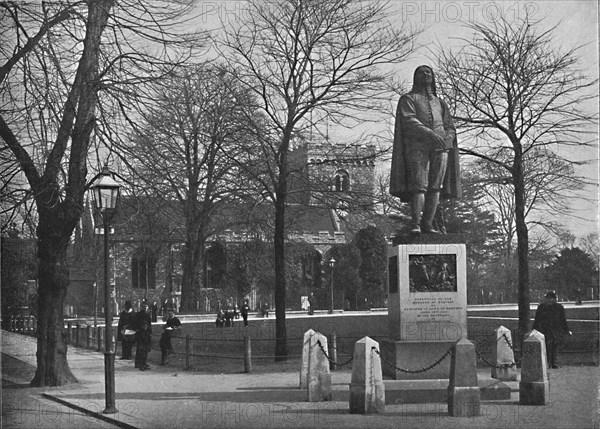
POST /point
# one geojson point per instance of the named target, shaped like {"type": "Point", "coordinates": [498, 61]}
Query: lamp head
{"type": "Point", "coordinates": [105, 191]}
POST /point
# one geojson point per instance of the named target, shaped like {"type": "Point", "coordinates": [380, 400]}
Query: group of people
{"type": "Point", "coordinates": [226, 317]}
{"type": "Point", "coordinates": [135, 328]}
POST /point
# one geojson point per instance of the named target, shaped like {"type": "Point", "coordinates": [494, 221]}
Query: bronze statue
{"type": "Point", "coordinates": [425, 164]}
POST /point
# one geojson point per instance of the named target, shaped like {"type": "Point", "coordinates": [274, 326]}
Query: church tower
{"type": "Point", "coordinates": [342, 174]}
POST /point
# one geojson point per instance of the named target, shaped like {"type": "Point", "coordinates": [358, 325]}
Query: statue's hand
{"type": "Point", "coordinates": [448, 141]}
{"type": "Point", "coordinates": [439, 142]}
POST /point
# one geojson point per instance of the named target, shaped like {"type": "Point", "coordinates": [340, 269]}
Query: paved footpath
{"type": "Point", "coordinates": [167, 397]}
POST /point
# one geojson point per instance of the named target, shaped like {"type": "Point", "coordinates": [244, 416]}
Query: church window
{"type": "Point", "coordinates": [342, 181]}
{"type": "Point", "coordinates": [143, 269]}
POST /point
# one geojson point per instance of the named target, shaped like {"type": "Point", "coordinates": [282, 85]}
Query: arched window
{"type": "Point", "coordinates": [342, 181]}
{"type": "Point", "coordinates": [143, 269]}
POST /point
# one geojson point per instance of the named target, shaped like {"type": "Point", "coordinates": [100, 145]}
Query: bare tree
{"type": "Point", "coordinates": [331, 58]}
{"type": "Point", "coordinates": [515, 91]}
{"type": "Point", "coordinates": [185, 149]}
{"type": "Point", "coordinates": [62, 63]}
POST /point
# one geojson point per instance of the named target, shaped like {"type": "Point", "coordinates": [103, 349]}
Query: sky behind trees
{"type": "Point", "coordinates": [577, 25]}
{"type": "Point", "coordinates": [443, 23]}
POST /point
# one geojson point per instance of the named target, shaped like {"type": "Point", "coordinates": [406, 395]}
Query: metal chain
{"type": "Point", "coordinates": [486, 341]}
{"type": "Point", "coordinates": [491, 364]}
{"type": "Point", "coordinates": [509, 342]}
{"type": "Point", "coordinates": [501, 366]}
{"type": "Point", "coordinates": [331, 361]}
{"type": "Point", "coordinates": [416, 371]}
{"type": "Point", "coordinates": [518, 362]}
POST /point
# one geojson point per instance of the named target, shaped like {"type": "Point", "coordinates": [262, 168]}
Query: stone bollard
{"type": "Point", "coordinates": [534, 387]}
{"type": "Point", "coordinates": [367, 391]}
{"type": "Point", "coordinates": [305, 352]}
{"type": "Point", "coordinates": [464, 396]}
{"type": "Point", "coordinates": [318, 377]}
{"type": "Point", "coordinates": [503, 356]}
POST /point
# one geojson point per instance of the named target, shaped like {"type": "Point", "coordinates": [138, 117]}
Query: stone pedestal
{"type": "Point", "coordinates": [413, 356]}
{"type": "Point", "coordinates": [534, 387]}
{"type": "Point", "coordinates": [503, 356]}
{"type": "Point", "coordinates": [427, 304]}
{"type": "Point", "coordinates": [464, 397]}
{"type": "Point", "coordinates": [367, 391]}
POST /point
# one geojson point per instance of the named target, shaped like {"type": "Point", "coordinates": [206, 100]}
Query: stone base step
{"type": "Point", "coordinates": [428, 391]}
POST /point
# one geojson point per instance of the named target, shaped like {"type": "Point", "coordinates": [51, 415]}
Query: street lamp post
{"type": "Point", "coordinates": [106, 192]}
{"type": "Point", "coordinates": [95, 304]}
{"type": "Point", "coordinates": [331, 265]}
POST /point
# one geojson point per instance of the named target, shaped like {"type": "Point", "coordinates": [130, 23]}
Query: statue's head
{"type": "Point", "coordinates": [423, 77]}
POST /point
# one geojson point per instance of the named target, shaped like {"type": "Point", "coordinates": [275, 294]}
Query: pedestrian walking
{"type": "Point", "coordinates": [264, 309]}
{"type": "Point", "coordinates": [220, 322]}
{"type": "Point", "coordinates": [550, 320]}
{"type": "Point", "coordinates": [154, 311]}
{"type": "Point", "coordinates": [245, 310]}
{"type": "Point", "coordinates": [229, 316]}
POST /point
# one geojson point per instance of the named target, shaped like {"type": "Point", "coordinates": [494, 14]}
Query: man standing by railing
{"type": "Point", "coordinates": [172, 323]}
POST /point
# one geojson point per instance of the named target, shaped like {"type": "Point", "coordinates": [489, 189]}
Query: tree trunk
{"type": "Point", "coordinates": [191, 253]}
{"type": "Point", "coordinates": [522, 247]}
{"type": "Point", "coordinates": [279, 247]}
{"type": "Point", "coordinates": [280, 285]}
{"type": "Point", "coordinates": [53, 274]}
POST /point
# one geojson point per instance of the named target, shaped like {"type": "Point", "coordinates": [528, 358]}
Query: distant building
{"type": "Point", "coordinates": [331, 197]}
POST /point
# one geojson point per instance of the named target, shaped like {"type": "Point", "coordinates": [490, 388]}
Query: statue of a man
{"type": "Point", "coordinates": [425, 153]}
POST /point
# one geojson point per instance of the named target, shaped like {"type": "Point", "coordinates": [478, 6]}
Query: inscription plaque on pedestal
{"type": "Point", "coordinates": [427, 305]}
{"type": "Point", "coordinates": [428, 299]}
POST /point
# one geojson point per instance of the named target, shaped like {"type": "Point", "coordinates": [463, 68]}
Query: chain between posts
{"type": "Point", "coordinates": [434, 364]}
{"type": "Point", "coordinates": [513, 349]}
{"type": "Point", "coordinates": [506, 365]}
{"type": "Point", "coordinates": [331, 361]}
{"type": "Point", "coordinates": [502, 366]}
{"type": "Point", "coordinates": [491, 364]}
{"type": "Point", "coordinates": [417, 371]}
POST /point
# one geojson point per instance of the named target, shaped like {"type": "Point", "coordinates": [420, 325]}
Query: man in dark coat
{"type": "Point", "coordinates": [550, 320]}
{"type": "Point", "coordinates": [425, 164]}
{"type": "Point", "coordinates": [126, 319]}
{"type": "Point", "coordinates": [154, 311]}
{"type": "Point", "coordinates": [245, 310]}
{"type": "Point", "coordinates": [143, 324]}
{"type": "Point", "coordinates": [172, 323]}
